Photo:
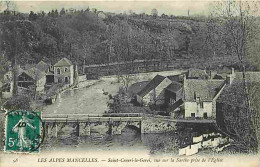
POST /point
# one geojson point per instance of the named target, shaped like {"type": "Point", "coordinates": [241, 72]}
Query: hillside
{"type": "Point", "coordinates": [85, 38]}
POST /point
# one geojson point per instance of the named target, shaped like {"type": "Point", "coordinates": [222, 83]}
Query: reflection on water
{"type": "Point", "coordinates": [166, 143]}
{"type": "Point", "coordinates": [129, 139]}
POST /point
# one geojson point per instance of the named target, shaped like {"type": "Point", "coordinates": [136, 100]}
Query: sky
{"type": "Point", "coordinates": [176, 7]}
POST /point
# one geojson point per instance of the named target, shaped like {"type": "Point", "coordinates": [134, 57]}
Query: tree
{"type": "Point", "coordinates": [32, 16]}
{"type": "Point", "coordinates": [235, 23]}
{"type": "Point", "coordinates": [154, 12]}
{"type": "Point", "coordinates": [62, 12]}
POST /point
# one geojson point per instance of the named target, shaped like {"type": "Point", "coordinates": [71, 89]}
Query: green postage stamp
{"type": "Point", "coordinates": [22, 131]}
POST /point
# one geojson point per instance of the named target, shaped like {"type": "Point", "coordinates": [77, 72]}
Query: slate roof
{"type": "Point", "coordinates": [151, 85]}
{"type": "Point", "coordinates": [206, 90]}
{"type": "Point", "coordinates": [250, 76]}
{"type": "Point", "coordinates": [63, 62]}
{"type": "Point", "coordinates": [234, 94]}
{"type": "Point", "coordinates": [137, 87]}
{"type": "Point", "coordinates": [174, 87]}
{"type": "Point", "coordinates": [42, 66]}
{"type": "Point", "coordinates": [197, 74]}
{"type": "Point", "coordinates": [35, 73]}
{"type": "Point", "coordinates": [177, 78]}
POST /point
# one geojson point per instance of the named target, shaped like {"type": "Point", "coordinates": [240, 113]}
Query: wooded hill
{"type": "Point", "coordinates": [85, 38]}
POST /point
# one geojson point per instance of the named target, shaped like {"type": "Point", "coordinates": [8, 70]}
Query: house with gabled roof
{"type": "Point", "coordinates": [173, 93]}
{"type": "Point", "coordinates": [193, 73]}
{"type": "Point", "coordinates": [47, 69]}
{"type": "Point", "coordinates": [160, 90]}
{"type": "Point", "coordinates": [43, 66]}
{"type": "Point", "coordinates": [153, 92]}
{"type": "Point", "coordinates": [31, 77]}
{"type": "Point", "coordinates": [39, 78]}
{"type": "Point", "coordinates": [200, 97]}
{"type": "Point", "coordinates": [64, 71]}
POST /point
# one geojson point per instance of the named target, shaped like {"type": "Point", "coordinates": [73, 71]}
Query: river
{"type": "Point", "coordinates": [91, 100]}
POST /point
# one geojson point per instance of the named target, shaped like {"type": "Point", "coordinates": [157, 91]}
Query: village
{"type": "Point", "coordinates": [195, 95]}
{"type": "Point", "coordinates": [158, 82]}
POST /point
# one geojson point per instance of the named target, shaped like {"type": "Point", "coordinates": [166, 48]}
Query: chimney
{"type": "Point", "coordinates": [232, 71]}
{"type": "Point", "coordinates": [231, 77]}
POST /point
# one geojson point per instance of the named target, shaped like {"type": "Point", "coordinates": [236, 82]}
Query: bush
{"type": "Point", "coordinates": [20, 102]}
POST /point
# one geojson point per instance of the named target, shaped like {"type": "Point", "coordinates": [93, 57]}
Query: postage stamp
{"type": "Point", "coordinates": [22, 131]}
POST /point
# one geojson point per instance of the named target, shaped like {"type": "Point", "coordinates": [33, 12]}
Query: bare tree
{"type": "Point", "coordinates": [235, 21]}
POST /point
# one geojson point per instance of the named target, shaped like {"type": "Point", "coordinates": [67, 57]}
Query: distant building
{"type": "Point", "coordinates": [44, 67]}
{"type": "Point", "coordinates": [101, 15]}
{"type": "Point", "coordinates": [154, 91]}
{"type": "Point", "coordinates": [29, 78]}
{"type": "Point", "coordinates": [38, 77]}
{"type": "Point", "coordinates": [48, 70]}
{"type": "Point", "coordinates": [64, 72]}
{"type": "Point", "coordinates": [197, 74]}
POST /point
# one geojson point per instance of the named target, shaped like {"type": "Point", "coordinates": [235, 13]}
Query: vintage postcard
{"type": "Point", "coordinates": [130, 83]}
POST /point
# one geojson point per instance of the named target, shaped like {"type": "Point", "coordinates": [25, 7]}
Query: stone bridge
{"type": "Point", "coordinates": [85, 124]}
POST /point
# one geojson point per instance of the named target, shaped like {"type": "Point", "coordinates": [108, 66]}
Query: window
{"type": "Point", "coordinates": [66, 79]}
{"type": "Point", "coordinates": [172, 101]}
{"type": "Point", "coordinates": [66, 69]}
{"type": "Point", "coordinates": [192, 115]}
{"type": "Point", "coordinates": [58, 71]}
{"type": "Point", "coordinates": [201, 104]}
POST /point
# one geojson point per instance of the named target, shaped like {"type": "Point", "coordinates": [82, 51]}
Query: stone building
{"type": "Point", "coordinates": [64, 72]}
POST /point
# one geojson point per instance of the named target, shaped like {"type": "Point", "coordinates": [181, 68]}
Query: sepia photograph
{"type": "Point", "coordinates": [130, 83]}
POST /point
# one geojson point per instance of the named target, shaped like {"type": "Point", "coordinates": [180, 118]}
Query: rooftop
{"type": "Point", "coordinates": [206, 90]}
{"type": "Point", "coordinates": [174, 87]}
{"type": "Point", "coordinates": [137, 87]}
{"type": "Point", "coordinates": [42, 66]}
{"type": "Point", "coordinates": [35, 73]}
{"type": "Point", "coordinates": [234, 94]}
{"type": "Point", "coordinates": [197, 74]}
{"type": "Point", "coordinates": [151, 85]}
{"type": "Point", "coordinates": [63, 62]}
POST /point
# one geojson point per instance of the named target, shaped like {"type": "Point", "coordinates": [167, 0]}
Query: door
{"type": "Point", "coordinates": [205, 115]}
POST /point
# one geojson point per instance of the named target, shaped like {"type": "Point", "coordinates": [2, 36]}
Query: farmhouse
{"type": "Point", "coordinates": [195, 90]}
{"type": "Point", "coordinates": [64, 72]}
{"type": "Point", "coordinates": [30, 78]}
{"type": "Point", "coordinates": [153, 92]}
{"type": "Point", "coordinates": [200, 97]}
{"type": "Point", "coordinates": [48, 70]}
{"type": "Point", "coordinates": [44, 67]}
{"type": "Point", "coordinates": [161, 90]}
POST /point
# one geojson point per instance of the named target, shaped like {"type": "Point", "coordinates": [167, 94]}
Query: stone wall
{"type": "Point", "coordinates": [157, 125]}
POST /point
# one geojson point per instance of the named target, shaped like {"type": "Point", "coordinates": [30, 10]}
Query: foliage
{"type": "Point", "coordinates": [84, 38]}
{"type": "Point", "coordinates": [20, 102]}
